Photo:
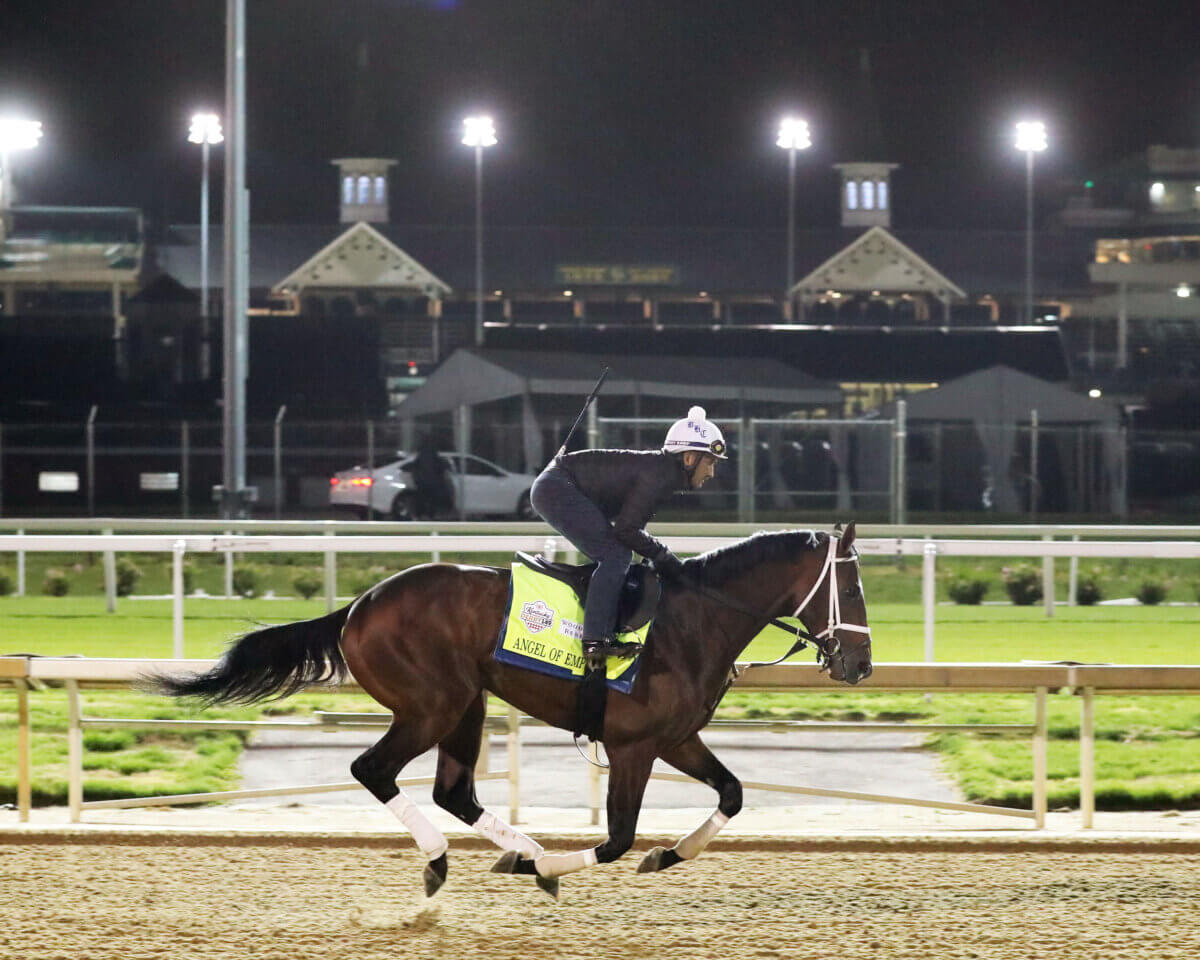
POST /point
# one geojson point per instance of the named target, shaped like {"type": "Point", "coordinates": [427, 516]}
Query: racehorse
{"type": "Point", "coordinates": [422, 642]}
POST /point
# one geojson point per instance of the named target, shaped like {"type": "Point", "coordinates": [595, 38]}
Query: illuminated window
{"type": "Point", "coordinates": [364, 189]}
{"type": "Point", "coordinates": [347, 189]}
{"type": "Point", "coordinates": [868, 194]}
{"type": "Point", "coordinates": [380, 190]}
{"type": "Point", "coordinates": [851, 195]}
{"type": "Point", "coordinates": [881, 194]}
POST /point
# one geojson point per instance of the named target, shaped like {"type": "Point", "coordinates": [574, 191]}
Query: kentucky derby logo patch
{"type": "Point", "coordinates": [536, 616]}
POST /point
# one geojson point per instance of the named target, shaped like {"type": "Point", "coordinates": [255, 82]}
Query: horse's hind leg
{"type": "Point", "coordinates": [377, 769]}
{"type": "Point", "coordinates": [454, 789]}
{"type": "Point", "coordinates": [696, 760]}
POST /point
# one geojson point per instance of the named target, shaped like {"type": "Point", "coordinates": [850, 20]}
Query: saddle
{"type": "Point", "coordinates": [639, 593]}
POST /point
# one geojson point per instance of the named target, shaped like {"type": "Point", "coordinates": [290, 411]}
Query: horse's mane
{"type": "Point", "coordinates": [725, 563]}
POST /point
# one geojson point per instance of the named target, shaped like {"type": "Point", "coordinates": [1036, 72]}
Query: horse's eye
{"type": "Point", "coordinates": [851, 592]}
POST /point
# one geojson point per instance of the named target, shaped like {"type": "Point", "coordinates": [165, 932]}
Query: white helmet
{"type": "Point", "coordinates": [697, 433]}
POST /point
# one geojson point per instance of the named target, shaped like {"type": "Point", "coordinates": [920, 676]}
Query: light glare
{"type": "Point", "coordinates": [793, 134]}
{"type": "Point", "coordinates": [1031, 136]}
{"type": "Point", "coordinates": [479, 132]}
{"type": "Point", "coordinates": [17, 134]}
{"type": "Point", "coordinates": [205, 128]}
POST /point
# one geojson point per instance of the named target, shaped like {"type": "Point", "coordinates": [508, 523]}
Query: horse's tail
{"type": "Point", "coordinates": [270, 663]}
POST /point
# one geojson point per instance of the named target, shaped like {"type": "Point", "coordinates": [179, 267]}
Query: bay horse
{"type": "Point", "coordinates": [422, 644]}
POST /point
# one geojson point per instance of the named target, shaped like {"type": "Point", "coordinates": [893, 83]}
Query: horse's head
{"type": "Point", "coordinates": [835, 611]}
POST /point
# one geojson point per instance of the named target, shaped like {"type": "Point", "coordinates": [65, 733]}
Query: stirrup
{"type": "Point", "coordinates": [597, 654]}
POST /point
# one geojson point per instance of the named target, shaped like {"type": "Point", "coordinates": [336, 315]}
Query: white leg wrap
{"type": "Point", "coordinates": [691, 845]}
{"type": "Point", "coordinates": [429, 838]}
{"type": "Point", "coordinates": [506, 837]}
{"type": "Point", "coordinates": [558, 864]}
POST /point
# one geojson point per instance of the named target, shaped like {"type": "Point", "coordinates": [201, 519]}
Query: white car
{"type": "Point", "coordinates": [483, 488]}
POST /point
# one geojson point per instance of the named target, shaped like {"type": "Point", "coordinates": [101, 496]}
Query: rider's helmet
{"type": "Point", "coordinates": [696, 433]}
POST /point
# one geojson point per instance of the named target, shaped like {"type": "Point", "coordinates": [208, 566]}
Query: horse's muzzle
{"type": "Point", "coordinates": [859, 671]}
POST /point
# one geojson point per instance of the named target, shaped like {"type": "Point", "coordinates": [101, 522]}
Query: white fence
{"type": "Point", "coordinates": [683, 538]}
{"type": "Point", "coordinates": [77, 674]}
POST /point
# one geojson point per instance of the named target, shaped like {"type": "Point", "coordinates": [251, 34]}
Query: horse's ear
{"type": "Point", "coordinates": [848, 538]}
{"type": "Point", "coordinates": [837, 528]}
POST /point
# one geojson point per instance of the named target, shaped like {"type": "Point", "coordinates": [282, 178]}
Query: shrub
{"type": "Point", "coordinates": [1087, 592]}
{"type": "Point", "coordinates": [968, 590]}
{"type": "Point", "coordinates": [1152, 592]}
{"type": "Point", "coordinates": [307, 583]}
{"type": "Point", "coordinates": [128, 575]}
{"type": "Point", "coordinates": [246, 580]}
{"type": "Point", "coordinates": [7, 584]}
{"type": "Point", "coordinates": [1023, 583]}
{"type": "Point", "coordinates": [56, 584]}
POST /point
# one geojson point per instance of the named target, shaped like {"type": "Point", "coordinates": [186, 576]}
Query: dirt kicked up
{"type": "Point", "coordinates": [217, 898]}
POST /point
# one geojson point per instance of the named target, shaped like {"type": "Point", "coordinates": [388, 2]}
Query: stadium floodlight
{"type": "Point", "coordinates": [15, 134]}
{"type": "Point", "coordinates": [1031, 139]}
{"type": "Point", "coordinates": [793, 136]}
{"type": "Point", "coordinates": [205, 128]}
{"type": "Point", "coordinates": [479, 132]}
{"type": "Point", "coordinates": [206, 131]}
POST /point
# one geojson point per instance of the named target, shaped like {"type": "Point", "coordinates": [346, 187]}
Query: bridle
{"type": "Point", "coordinates": [826, 642]}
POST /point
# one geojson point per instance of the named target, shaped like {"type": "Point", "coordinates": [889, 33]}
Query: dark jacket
{"type": "Point", "coordinates": [628, 486]}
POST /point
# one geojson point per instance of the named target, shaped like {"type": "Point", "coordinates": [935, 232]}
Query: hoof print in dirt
{"type": "Point", "coordinates": [435, 875]}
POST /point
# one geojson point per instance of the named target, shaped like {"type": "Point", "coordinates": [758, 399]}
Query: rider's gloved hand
{"type": "Point", "coordinates": [667, 565]}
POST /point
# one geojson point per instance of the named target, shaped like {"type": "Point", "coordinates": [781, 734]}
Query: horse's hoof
{"type": "Point", "coordinates": [548, 884]}
{"type": "Point", "coordinates": [435, 875]}
{"type": "Point", "coordinates": [659, 859]}
{"type": "Point", "coordinates": [507, 863]}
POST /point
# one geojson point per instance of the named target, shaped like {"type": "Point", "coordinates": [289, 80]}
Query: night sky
{"type": "Point", "coordinates": [609, 112]}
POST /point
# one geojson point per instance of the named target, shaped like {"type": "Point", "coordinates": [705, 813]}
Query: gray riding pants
{"type": "Point", "coordinates": [561, 504]}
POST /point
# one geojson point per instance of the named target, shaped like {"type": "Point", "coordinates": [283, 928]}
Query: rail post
{"type": "Point", "coordinates": [177, 598]}
{"type": "Point", "coordinates": [74, 752]}
{"type": "Point", "coordinates": [228, 569]}
{"type": "Point", "coordinates": [929, 593]}
{"type": "Point", "coordinates": [24, 753]}
{"type": "Point", "coordinates": [278, 437]}
{"type": "Point", "coordinates": [1073, 577]}
{"type": "Point", "coordinates": [514, 764]}
{"type": "Point", "coordinates": [1087, 756]}
{"type": "Point", "coordinates": [330, 577]}
{"type": "Point", "coordinates": [1048, 578]}
{"type": "Point", "coordinates": [21, 567]}
{"type": "Point", "coordinates": [1039, 757]}
{"type": "Point", "coordinates": [110, 576]}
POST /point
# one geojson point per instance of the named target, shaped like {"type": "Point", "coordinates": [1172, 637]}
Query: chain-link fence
{"type": "Point", "coordinates": [835, 467]}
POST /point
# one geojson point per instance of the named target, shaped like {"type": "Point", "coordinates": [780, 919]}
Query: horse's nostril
{"type": "Point", "coordinates": [865, 671]}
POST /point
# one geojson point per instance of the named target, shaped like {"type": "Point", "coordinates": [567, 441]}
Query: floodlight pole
{"type": "Point", "coordinates": [479, 245]}
{"type": "Point", "coordinates": [1029, 236]}
{"type": "Point", "coordinates": [205, 328]}
{"type": "Point", "coordinates": [236, 259]}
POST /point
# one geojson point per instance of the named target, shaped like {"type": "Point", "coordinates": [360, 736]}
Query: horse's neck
{"type": "Point", "coordinates": [760, 590]}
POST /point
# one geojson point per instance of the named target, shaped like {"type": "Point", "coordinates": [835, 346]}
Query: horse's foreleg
{"type": "Point", "coordinates": [629, 769]}
{"type": "Point", "coordinates": [454, 788]}
{"type": "Point", "coordinates": [696, 760]}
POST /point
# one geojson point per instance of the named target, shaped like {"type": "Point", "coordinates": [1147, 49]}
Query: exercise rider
{"type": "Point", "coordinates": [601, 501]}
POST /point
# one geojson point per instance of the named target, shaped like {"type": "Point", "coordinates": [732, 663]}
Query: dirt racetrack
{"type": "Point", "coordinates": [304, 899]}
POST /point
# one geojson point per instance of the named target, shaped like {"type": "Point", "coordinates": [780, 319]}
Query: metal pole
{"type": "Point", "coordinates": [479, 246]}
{"type": "Point", "coordinates": [1033, 464]}
{"type": "Point", "coordinates": [1073, 577]}
{"type": "Point", "coordinates": [279, 460]}
{"type": "Point", "coordinates": [74, 752]}
{"type": "Point", "coordinates": [110, 577]}
{"type": "Point", "coordinates": [235, 301]}
{"type": "Point", "coordinates": [177, 551]}
{"type": "Point", "coordinates": [205, 331]}
{"type": "Point", "coordinates": [370, 467]}
{"type": "Point", "coordinates": [330, 577]}
{"type": "Point", "coordinates": [1048, 579]}
{"type": "Point", "coordinates": [928, 594]}
{"type": "Point", "coordinates": [1040, 738]}
{"type": "Point", "coordinates": [185, 452]}
{"type": "Point", "coordinates": [1087, 756]}
{"type": "Point", "coordinates": [20, 568]}
{"type": "Point", "coordinates": [901, 461]}
{"type": "Point", "coordinates": [1029, 236]}
{"type": "Point", "coordinates": [791, 238]}
{"type": "Point", "coordinates": [90, 431]}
